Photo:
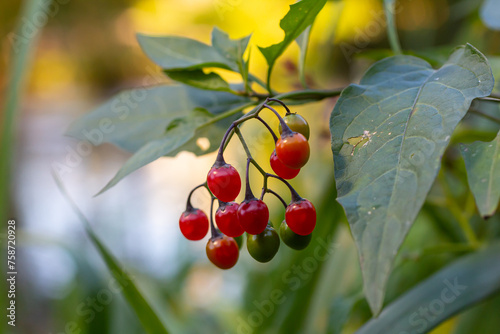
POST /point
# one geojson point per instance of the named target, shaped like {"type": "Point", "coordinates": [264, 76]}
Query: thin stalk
{"type": "Point", "coordinates": [278, 196]}
{"type": "Point", "coordinates": [489, 98]}
{"type": "Point", "coordinates": [392, 32]}
{"type": "Point", "coordinates": [284, 126]}
{"type": "Point", "coordinates": [280, 102]}
{"type": "Point", "coordinates": [243, 143]}
{"type": "Point", "coordinates": [308, 94]}
{"type": "Point", "coordinates": [213, 230]}
{"type": "Point", "coordinates": [484, 115]}
{"type": "Point", "coordinates": [248, 190]}
{"type": "Point", "coordinates": [269, 128]}
{"type": "Point", "coordinates": [188, 204]}
{"type": "Point", "coordinates": [295, 196]}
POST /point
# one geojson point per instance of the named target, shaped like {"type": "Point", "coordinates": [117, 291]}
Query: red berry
{"type": "Point", "coordinates": [253, 215]}
{"type": "Point", "coordinates": [293, 150]}
{"type": "Point", "coordinates": [301, 217]}
{"type": "Point", "coordinates": [223, 251]}
{"type": "Point", "coordinates": [194, 224]}
{"type": "Point", "coordinates": [226, 218]}
{"type": "Point", "coordinates": [224, 182]}
{"type": "Point", "coordinates": [281, 169]}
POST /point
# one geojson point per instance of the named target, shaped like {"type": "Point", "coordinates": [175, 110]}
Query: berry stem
{"type": "Point", "coordinates": [220, 156]}
{"type": "Point", "coordinates": [248, 191]}
{"type": "Point", "coordinates": [284, 126]}
{"type": "Point", "coordinates": [243, 143]}
{"type": "Point", "coordinates": [295, 196]}
{"type": "Point", "coordinates": [280, 102]}
{"type": "Point", "coordinates": [188, 204]}
{"type": "Point", "coordinates": [213, 230]}
{"type": "Point", "coordinates": [275, 194]}
{"type": "Point", "coordinates": [269, 128]}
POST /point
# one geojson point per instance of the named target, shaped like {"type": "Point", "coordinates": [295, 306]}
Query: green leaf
{"type": "Point", "coordinates": [149, 319]}
{"type": "Point", "coordinates": [199, 79]}
{"type": "Point", "coordinates": [490, 14]}
{"type": "Point", "coordinates": [135, 117]}
{"type": "Point", "coordinates": [177, 134]}
{"type": "Point", "coordinates": [299, 17]}
{"type": "Point", "coordinates": [302, 42]}
{"type": "Point", "coordinates": [179, 53]}
{"type": "Point", "coordinates": [482, 162]}
{"type": "Point", "coordinates": [230, 49]}
{"type": "Point", "coordinates": [480, 319]}
{"type": "Point", "coordinates": [452, 289]}
{"type": "Point", "coordinates": [340, 311]}
{"type": "Point", "coordinates": [403, 114]}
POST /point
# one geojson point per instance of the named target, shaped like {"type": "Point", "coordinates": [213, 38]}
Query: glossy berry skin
{"type": "Point", "coordinates": [264, 246]}
{"type": "Point", "coordinates": [224, 182]}
{"type": "Point", "coordinates": [296, 123]}
{"type": "Point", "coordinates": [292, 239]}
{"type": "Point", "coordinates": [194, 224]}
{"type": "Point", "coordinates": [223, 251]}
{"type": "Point", "coordinates": [253, 215]}
{"type": "Point", "coordinates": [226, 218]}
{"type": "Point", "coordinates": [301, 217]}
{"type": "Point", "coordinates": [293, 150]}
{"type": "Point", "coordinates": [281, 169]}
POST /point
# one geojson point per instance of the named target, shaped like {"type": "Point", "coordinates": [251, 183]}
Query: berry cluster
{"type": "Point", "coordinates": [252, 215]}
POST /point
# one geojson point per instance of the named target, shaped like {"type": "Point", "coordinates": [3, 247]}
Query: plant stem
{"type": "Point", "coordinates": [484, 115]}
{"type": "Point", "coordinates": [295, 196]}
{"type": "Point", "coordinates": [243, 143]}
{"type": "Point", "coordinates": [269, 128]}
{"type": "Point", "coordinates": [392, 32]}
{"type": "Point", "coordinates": [278, 196]}
{"type": "Point", "coordinates": [188, 204]}
{"type": "Point", "coordinates": [280, 102]}
{"type": "Point", "coordinates": [213, 230]}
{"type": "Point", "coordinates": [307, 94]}
{"type": "Point", "coordinates": [284, 126]}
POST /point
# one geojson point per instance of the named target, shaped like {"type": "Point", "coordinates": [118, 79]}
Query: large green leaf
{"type": "Point", "coordinates": [178, 133]}
{"type": "Point", "coordinates": [490, 14]}
{"type": "Point", "coordinates": [388, 136]}
{"type": "Point", "coordinates": [482, 161]}
{"type": "Point", "coordinates": [149, 319]}
{"type": "Point", "coordinates": [180, 53]}
{"type": "Point", "coordinates": [200, 79]}
{"type": "Point", "coordinates": [231, 49]}
{"type": "Point", "coordinates": [452, 289]}
{"type": "Point", "coordinates": [135, 117]}
{"type": "Point", "coordinates": [300, 16]}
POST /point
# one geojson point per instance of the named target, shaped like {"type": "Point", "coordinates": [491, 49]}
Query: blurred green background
{"type": "Point", "coordinates": [85, 53]}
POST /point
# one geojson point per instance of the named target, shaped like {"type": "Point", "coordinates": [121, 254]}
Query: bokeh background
{"type": "Point", "coordinates": [87, 52]}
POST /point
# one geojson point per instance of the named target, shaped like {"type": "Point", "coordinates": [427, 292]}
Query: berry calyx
{"type": "Point", "coordinates": [300, 216]}
{"type": "Point", "coordinates": [263, 246]}
{"type": "Point", "coordinates": [224, 181]}
{"type": "Point", "coordinates": [222, 251]}
{"type": "Point", "coordinates": [296, 123]}
{"type": "Point", "coordinates": [292, 239]}
{"type": "Point", "coordinates": [281, 169]}
{"type": "Point", "coordinates": [292, 149]}
{"type": "Point", "coordinates": [226, 218]}
{"type": "Point", "coordinates": [193, 224]}
{"type": "Point", "coordinates": [253, 215]}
